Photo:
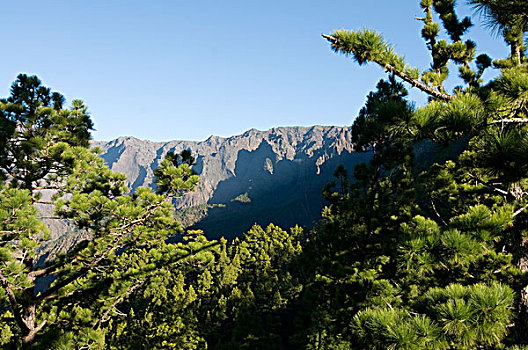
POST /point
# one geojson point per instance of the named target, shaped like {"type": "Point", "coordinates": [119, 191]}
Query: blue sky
{"type": "Point", "coordinates": [165, 70]}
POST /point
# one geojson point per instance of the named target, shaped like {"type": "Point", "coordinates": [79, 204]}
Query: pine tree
{"type": "Point", "coordinates": [448, 243]}
{"type": "Point", "coordinates": [240, 297]}
{"type": "Point", "coordinates": [45, 160]}
{"type": "Point", "coordinates": [510, 17]}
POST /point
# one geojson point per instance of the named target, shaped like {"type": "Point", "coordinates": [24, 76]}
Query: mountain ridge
{"type": "Point", "coordinates": [282, 167]}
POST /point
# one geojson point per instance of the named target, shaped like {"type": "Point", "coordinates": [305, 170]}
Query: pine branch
{"type": "Point", "coordinates": [117, 301]}
{"type": "Point", "coordinates": [14, 303]}
{"type": "Point", "coordinates": [55, 265]}
{"type": "Point", "coordinates": [436, 212]}
{"type": "Point", "coordinates": [149, 276]}
{"type": "Point", "coordinates": [43, 272]}
{"type": "Point", "coordinates": [520, 210]}
{"type": "Point", "coordinates": [40, 326]}
{"type": "Point", "coordinates": [402, 75]}
{"type": "Point", "coordinates": [45, 202]}
{"type": "Point", "coordinates": [490, 185]}
{"type": "Point", "coordinates": [510, 121]}
{"type": "Point", "coordinates": [418, 84]}
{"type": "Point", "coordinates": [49, 293]}
{"type": "Point", "coordinates": [41, 188]}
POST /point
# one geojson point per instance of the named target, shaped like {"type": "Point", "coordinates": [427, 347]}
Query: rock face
{"type": "Point", "coordinates": [257, 177]}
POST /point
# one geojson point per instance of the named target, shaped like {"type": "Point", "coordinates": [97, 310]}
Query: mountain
{"type": "Point", "coordinates": [257, 177]}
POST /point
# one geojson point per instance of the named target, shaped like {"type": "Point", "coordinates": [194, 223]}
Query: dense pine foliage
{"type": "Point", "coordinates": [424, 247]}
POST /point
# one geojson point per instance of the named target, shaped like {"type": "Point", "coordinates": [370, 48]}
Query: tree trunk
{"type": "Point", "coordinates": [521, 324]}
{"type": "Point", "coordinates": [28, 332]}
{"type": "Point", "coordinates": [516, 53]}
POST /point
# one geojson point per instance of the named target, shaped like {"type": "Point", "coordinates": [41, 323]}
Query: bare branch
{"type": "Point", "coordinates": [520, 210]}
{"type": "Point", "coordinates": [14, 302]}
{"type": "Point", "coordinates": [41, 188]}
{"type": "Point", "coordinates": [436, 212]}
{"type": "Point", "coordinates": [112, 246]}
{"type": "Point", "coordinates": [45, 202]}
{"type": "Point", "coordinates": [490, 185]}
{"type": "Point", "coordinates": [510, 121]}
{"type": "Point", "coordinates": [104, 318]}
{"type": "Point", "coordinates": [39, 327]}
{"type": "Point", "coordinates": [418, 84]}
{"type": "Point", "coordinates": [43, 272]}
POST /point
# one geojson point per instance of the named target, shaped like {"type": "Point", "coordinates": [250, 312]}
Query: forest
{"type": "Point", "coordinates": [423, 247]}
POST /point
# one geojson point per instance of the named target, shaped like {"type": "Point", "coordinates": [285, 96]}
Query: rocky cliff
{"type": "Point", "coordinates": [257, 177]}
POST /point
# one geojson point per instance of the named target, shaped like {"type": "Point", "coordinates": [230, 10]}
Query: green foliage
{"type": "Point", "coordinates": [242, 198]}
{"type": "Point", "coordinates": [384, 116]}
{"type": "Point", "coordinates": [388, 328]}
{"type": "Point", "coordinates": [175, 175]}
{"type": "Point", "coordinates": [32, 120]}
{"type": "Point", "coordinates": [408, 254]}
{"type": "Point", "coordinates": [427, 255]}
{"type": "Point", "coordinates": [456, 316]}
{"type": "Point", "coordinates": [476, 315]}
{"type": "Point", "coordinates": [511, 18]}
{"type": "Point", "coordinates": [235, 298]}
{"type": "Point", "coordinates": [45, 160]}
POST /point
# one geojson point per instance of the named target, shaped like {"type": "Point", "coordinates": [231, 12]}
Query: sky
{"type": "Point", "coordinates": [188, 69]}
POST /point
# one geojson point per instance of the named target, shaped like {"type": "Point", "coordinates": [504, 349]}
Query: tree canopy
{"type": "Point", "coordinates": [46, 160]}
{"type": "Point", "coordinates": [435, 226]}
{"type": "Point", "coordinates": [424, 246]}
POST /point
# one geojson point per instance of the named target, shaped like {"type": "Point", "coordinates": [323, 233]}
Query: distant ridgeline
{"type": "Point", "coordinates": [257, 177]}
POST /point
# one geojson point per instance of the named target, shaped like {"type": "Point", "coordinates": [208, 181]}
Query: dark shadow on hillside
{"type": "Point", "coordinates": [426, 152]}
{"type": "Point", "coordinates": [140, 179]}
{"type": "Point", "coordinates": [263, 190]}
{"type": "Point", "coordinates": [112, 154]}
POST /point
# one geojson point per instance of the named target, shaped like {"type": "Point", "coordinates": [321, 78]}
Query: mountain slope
{"type": "Point", "coordinates": [257, 177]}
